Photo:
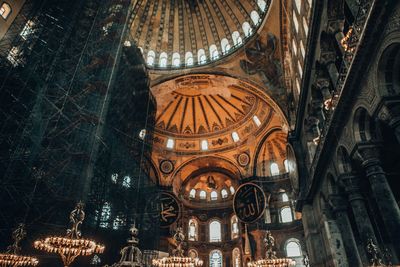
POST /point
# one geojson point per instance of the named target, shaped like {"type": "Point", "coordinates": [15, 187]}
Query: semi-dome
{"type": "Point", "coordinates": [185, 33]}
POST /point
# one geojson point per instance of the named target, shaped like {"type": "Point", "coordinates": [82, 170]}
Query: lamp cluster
{"type": "Point", "coordinates": [67, 246]}
{"type": "Point", "coordinates": [284, 262]}
{"type": "Point", "coordinates": [17, 260]}
{"type": "Point", "coordinates": [178, 262]}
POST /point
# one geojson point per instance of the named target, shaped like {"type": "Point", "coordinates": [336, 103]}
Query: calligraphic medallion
{"type": "Point", "coordinates": [249, 202]}
{"type": "Point", "coordinates": [170, 209]}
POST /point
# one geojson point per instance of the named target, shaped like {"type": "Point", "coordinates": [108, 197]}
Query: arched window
{"type": "Point", "coordinates": [286, 214]}
{"type": "Point", "coordinates": [237, 40]}
{"type": "Point", "coordinates": [215, 258]}
{"type": "Point", "coordinates": [293, 248]}
{"type": "Point", "coordinates": [142, 134]}
{"type": "Point", "coordinates": [305, 26]}
{"type": "Point", "coordinates": [294, 46]}
{"type": "Point", "coordinates": [235, 137]}
{"type": "Point", "coordinates": [236, 257]}
{"type": "Point", "coordinates": [247, 29]}
{"type": "Point", "coordinates": [224, 193]}
{"type": "Point", "coordinates": [126, 182]}
{"type": "Point", "coordinates": [225, 46]}
{"type": "Point", "coordinates": [163, 60]}
{"type": "Point", "coordinates": [262, 5]}
{"type": "Point", "coordinates": [295, 22]}
{"type": "Point", "coordinates": [284, 197]}
{"type": "Point", "coordinates": [192, 230]}
{"type": "Point", "coordinates": [214, 54]}
{"type": "Point", "coordinates": [170, 143]}
{"type": "Point", "coordinates": [192, 193]}
{"type": "Point", "coordinates": [204, 145]}
{"type": "Point", "coordinates": [189, 59]}
{"type": "Point", "coordinates": [234, 227]}
{"type": "Point", "coordinates": [5, 10]}
{"type": "Point", "coordinates": [214, 195]}
{"type": "Point", "coordinates": [255, 17]}
{"type": "Point", "coordinates": [105, 215]}
{"type": "Point", "coordinates": [150, 57]}
{"type": "Point", "coordinates": [256, 120]}
{"type": "Point", "coordinates": [193, 254]}
{"type": "Point", "coordinates": [176, 60]}
{"type": "Point", "coordinates": [203, 194]}
{"type": "Point", "coordinates": [215, 231]}
{"type": "Point", "coordinates": [232, 189]}
{"type": "Point", "coordinates": [274, 168]}
{"type": "Point", "coordinates": [286, 164]}
{"type": "Point", "coordinates": [201, 56]}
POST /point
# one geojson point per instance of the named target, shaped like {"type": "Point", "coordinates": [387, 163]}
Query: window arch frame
{"type": "Point", "coordinates": [236, 257]}
{"type": "Point", "coordinates": [225, 46]}
{"type": "Point", "coordinates": [298, 246]}
{"type": "Point", "coordinates": [163, 60]}
{"type": "Point", "coordinates": [176, 60]}
{"type": "Point", "coordinates": [274, 168]}
{"type": "Point", "coordinates": [214, 195]}
{"type": "Point", "coordinates": [221, 258]}
{"type": "Point", "coordinates": [7, 10]}
{"type": "Point", "coordinates": [195, 237]}
{"type": "Point", "coordinates": [283, 214]}
{"type": "Point", "coordinates": [192, 196]}
{"type": "Point", "coordinates": [214, 53]}
{"type": "Point", "coordinates": [255, 17]}
{"type": "Point", "coordinates": [215, 235]}
{"type": "Point", "coordinates": [234, 224]}
{"type": "Point", "coordinates": [151, 55]}
{"type": "Point", "coordinates": [201, 56]}
{"type": "Point", "coordinates": [236, 38]}
{"type": "Point", "coordinates": [203, 195]}
{"type": "Point", "coordinates": [189, 61]}
{"type": "Point", "coordinates": [224, 193]}
{"type": "Point", "coordinates": [247, 29]}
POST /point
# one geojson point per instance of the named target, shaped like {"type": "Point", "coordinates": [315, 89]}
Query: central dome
{"type": "Point", "coordinates": [185, 33]}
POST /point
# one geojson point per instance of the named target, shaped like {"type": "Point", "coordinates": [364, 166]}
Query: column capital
{"type": "Point", "coordinates": [351, 184]}
{"type": "Point", "coordinates": [389, 112]}
{"type": "Point", "coordinates": [368, 153]}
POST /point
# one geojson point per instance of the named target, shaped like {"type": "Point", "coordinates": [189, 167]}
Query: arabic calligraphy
{"type": "Point", "coordinates": [169, 209]}
{"type": "Point", "coordinates": [249, 202]}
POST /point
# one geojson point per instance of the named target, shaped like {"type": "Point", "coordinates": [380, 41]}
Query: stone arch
{"type": "Point", "coordinates": [363, 126]}
{"type": "Point", "coordinates": [389, 69]}
{"type": "Point", "coordinates": [343, 161]}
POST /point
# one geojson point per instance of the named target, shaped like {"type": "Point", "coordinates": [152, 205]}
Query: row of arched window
{"type": "Point", "coordinates": [274, 167]}
{"type": "Point", "coordinates": [214, 53]}
{"type": "Point", "coordinates": [215, 234]}
{"type": "Point", "coordinates": [292, 249]}
{"type": "Point", "coordinates": [202, 194]}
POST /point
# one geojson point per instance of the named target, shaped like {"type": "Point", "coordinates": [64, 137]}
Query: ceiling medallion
{"type": "Point", "coordinates": [249, 202]}
{"type": "Point", "coordinates": [243, 159]}
{"type": "Point", "coordinates": [166, 166]}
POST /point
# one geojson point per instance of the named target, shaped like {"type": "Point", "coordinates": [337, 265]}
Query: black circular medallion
{"type": "Point", "coordinates": [249, 202]}
{"type": "Point", "coordinates": [169, 209]}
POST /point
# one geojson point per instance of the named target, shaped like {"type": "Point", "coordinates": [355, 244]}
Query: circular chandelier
{"type": "Point", "coordinates": [72, 245]}
{"type": "Point", "coordinates": [12, 257]}
{"type": "Point", "coordinates": [178, 259]}
{"type": "Point", "coordinates": [270, 255]}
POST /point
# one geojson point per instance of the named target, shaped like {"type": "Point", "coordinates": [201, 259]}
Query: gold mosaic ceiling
{"type": "Point", "coordinates": [178, 27]}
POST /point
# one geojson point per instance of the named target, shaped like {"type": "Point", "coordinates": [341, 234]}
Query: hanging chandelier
{"type": "Point", "coordinates": [270, 255]}
{"type": "Point", "coordinates": [12, 257]}
{"type": "Point", "coordinates": [131, 256]}
{"type": "Point", "coordinates": [178, 259]}
{"type": "Point", "coordinates": [72, 245]}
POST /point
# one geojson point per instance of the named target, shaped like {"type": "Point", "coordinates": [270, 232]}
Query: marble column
{"type": "Point", "coordinates": [351, 184]}
{"type": "Point", "coordinates": [339, 205]}
{"type": "Point", "coordinates": [381, 191]}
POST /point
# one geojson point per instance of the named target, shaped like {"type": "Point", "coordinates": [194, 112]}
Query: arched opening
{"type": "Point", "coordinates": [163, 60]}
{"type": "Point", "coordinates": [215, 231]}
{"type": "Point", "coordinates": [216, 258]}
{"type": "Point", "coordinates": [189, 59]}
{"type": "Point", "coordinates": [214, 195]}
{"type": "Point", "coordinates": [176, 60]}
{"type": "Point", "coordinates": [5, 10]}
{"type": "Point", "coordinates": [237, 40]}
{"type": "Point", "coordinates": [150, 58]}
{"type": "Point", "coordinates": [193, 230]}
{"type": "Point", "coordinates": [293, 248]}
{"type": "Point", "coordinates": [247, 29]}
{"type": "Point", "coordinates": [274, 169]}
{"type": "Point", "coordinates": [201, 56]}
{"type": "Point", "coordinates": [286, 214]}
{"type": "Point", "coordinates": [224, 193]}
{"type": "Point", "coordinates": [255, 17]}
{"type": "Point", "coordinates": [203, 194]}
{"type": "Point", "coordinates": [236, 257]}
{"type": "Point", "coordinates": [225, 46]}
{"type": "Point", "coordinates": [214, 54]}
{"type": "Point", "coordinates": [234, 227]}
{"type": "Point", "coordinates": [389, 69]}
{"type": "Point", "coordinates": [284, 197]}
{"type": "Point", "coordinates": [192, 193]}
{"type": "Point", "coordinates": [363, 126]}
{"type": "Point", "coordinates": [262, 5]}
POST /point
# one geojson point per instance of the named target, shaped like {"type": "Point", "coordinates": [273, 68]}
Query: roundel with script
{"type": "Point", "coordinates": [169, 209]}
{"type": "Point", "coordinates": [249, 202]}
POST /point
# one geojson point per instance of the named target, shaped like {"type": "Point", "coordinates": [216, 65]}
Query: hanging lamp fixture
{"type": "Point", "coordinates": [72, 245]}
{"type": "Point", "coordinates": [271, 260]}
{"type": "Point", "coordinates": [178, 259]}
{"type": "Point", "coordinates": [12, 257]}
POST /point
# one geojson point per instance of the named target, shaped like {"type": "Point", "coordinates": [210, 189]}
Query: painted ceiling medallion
{"type": "Point", "coordinates": [243, 159]}
{"type": "Point", "coordinates": [166, 166]}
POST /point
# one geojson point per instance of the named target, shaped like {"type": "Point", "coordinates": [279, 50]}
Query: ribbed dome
{"type": "Point", "coordinates": [184, 33]}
